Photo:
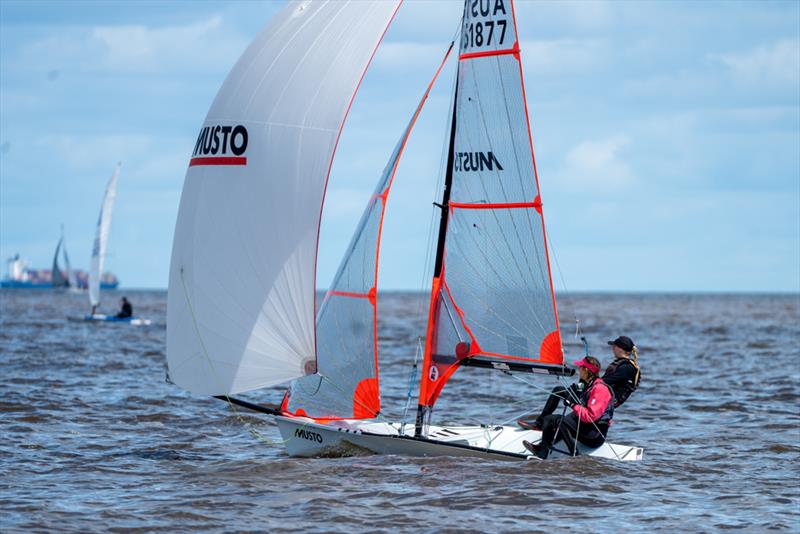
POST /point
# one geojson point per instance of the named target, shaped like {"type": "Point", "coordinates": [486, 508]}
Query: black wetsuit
{"type": "Point", "coordinates": [621, 376]}
{"type": "Point", "coordinates": [569, 427]}
{"type": "Point", "coordinates": [558, 394]}
{"type": "Point", "coordinates": [126, 311]}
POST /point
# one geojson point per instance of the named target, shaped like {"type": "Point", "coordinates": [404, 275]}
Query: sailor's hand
{"type": "Point", "coordinates": [569, 402]}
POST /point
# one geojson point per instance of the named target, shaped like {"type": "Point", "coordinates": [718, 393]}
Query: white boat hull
{"type": "Point", "coordinates": [306, 437]}
{"type": "Point", "coordinates": [102, 318]}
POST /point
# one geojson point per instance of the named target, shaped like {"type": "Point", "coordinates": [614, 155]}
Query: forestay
{"type": "Point", "coordinates": [242, 278]}
{"type": "Point", "coordinates": [492, 292]}
{"type": "Point", "coordinates": [101, 238]}
{"type": "Point", "coordinates": [346, 384]}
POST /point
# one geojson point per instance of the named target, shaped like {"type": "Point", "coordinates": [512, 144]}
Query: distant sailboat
{"type": "Point", "coordinates": [62, 279]}
{"type": "Point", "coordinates": [99, 252]}
{"type": "Point", "coordinates": [492, 304]}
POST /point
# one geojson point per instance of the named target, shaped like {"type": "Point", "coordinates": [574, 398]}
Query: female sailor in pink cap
{"type": "Point", "coordinates": [589, 419]}
{"type": "Point", "coordinates": [622, 374]}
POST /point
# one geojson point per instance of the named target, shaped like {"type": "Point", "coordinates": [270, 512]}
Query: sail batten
{"type": "Point", "coordinates": [494, 275]}
{"type": "Point", "coordinates": [242, 275]}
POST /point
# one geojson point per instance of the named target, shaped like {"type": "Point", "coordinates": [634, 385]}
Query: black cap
{"type": "Point", "coordinates": [623, 342]}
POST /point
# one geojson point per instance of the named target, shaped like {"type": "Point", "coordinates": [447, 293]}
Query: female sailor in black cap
{"type": "Point", "coordinates": [623, 373]}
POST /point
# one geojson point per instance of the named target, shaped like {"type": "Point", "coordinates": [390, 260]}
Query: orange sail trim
{"type": "Point", "coordinates": [552, 350]}
{"type": "Point", "coordinates": [367, 399]}
{"type": "Point", "coordinates": [424, 386]}
{"type": "Point", "coordinates": [383, 198]}
{"type": "Point", "coordinates": [514, 50]}
{"type": "Point", "coordinates": [536, 177]}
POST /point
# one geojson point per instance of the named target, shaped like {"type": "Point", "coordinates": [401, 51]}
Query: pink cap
{"type": "Point", "coordinates": [589, 365]}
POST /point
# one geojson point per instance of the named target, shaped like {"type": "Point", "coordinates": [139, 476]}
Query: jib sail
{"type": "Point", "coordinates": [346, 384]}
{"type": "Point", "coordinates": [240, 312]}
{"type": "Point", "coordinates": [492, 295]}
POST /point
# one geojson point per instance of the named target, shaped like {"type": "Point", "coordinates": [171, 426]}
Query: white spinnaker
{"type": "Point", "coordinates": [240, 313]}
{"type": "Point", "coordinates": [101, 238]}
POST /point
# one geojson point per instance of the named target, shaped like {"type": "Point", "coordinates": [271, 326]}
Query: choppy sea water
{"type": "Point", "coordinates": [94, 439]}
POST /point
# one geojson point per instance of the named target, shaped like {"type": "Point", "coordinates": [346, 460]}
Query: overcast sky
{"type": "Point", "coordinates": [667, 135]}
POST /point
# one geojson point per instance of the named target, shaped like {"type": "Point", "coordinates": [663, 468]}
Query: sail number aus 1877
{"type": "Point", "coordinates": [481, 33]}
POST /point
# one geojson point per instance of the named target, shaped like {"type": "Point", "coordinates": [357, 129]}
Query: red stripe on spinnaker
{"type": "Point", "coordinates": [232, 160]}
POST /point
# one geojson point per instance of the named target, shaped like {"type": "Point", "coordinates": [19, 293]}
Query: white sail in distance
{"type": "Point", "coordinates": [101, 238]}
{"type": "Point", "coordinates": [241, 301]}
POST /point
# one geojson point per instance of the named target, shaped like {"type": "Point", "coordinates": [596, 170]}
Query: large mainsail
{"type": "Point", "coordinates": [346, 384]}
{"type": "Point", "coordinates": [101, 238]}
{"type": "Point", "coordinates": [492, 295]}
{"type": "Point", "coordinates": [241, 301]}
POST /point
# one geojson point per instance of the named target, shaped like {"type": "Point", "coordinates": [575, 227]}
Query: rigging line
{"type": "Point", "coordinates": [573, 308]}
{"type": "Point", "coordinates": [425, 283]}
{"type": "Point", "coordinates": [450, 315]}
{"type": "Point", "coordinates": [238, 416]}
{"type": "Point", "coordinates": [411, 381]}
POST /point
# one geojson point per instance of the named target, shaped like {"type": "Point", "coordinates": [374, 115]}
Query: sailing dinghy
{"type": "Point", "coordinates": [98, 257]}
{"type": "Point", "coordinates": [257, 174]}
{"type": "Point", "coordinates": [62, 279]}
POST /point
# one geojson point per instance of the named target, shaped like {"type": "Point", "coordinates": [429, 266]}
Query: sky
{"type": "Point", "coordinates": [667, 135]}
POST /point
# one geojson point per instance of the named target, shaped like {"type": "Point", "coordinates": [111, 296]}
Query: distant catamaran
{"type": "Point", "coordinates": [254, 201]}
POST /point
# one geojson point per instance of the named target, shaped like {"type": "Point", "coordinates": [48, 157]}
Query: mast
{"type": "Point", "coordinates": [444, 206]}
{"type": "Point", "coordinates": [492, 300]}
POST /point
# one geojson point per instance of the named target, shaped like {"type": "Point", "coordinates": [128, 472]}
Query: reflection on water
{"type": "Point", "coordinates": [95, 439]}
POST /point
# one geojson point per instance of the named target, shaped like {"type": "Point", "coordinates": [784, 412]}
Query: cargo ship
{"type": "Point", "coordinates": [21, 275]}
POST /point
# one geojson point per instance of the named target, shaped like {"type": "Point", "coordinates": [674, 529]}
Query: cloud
{"type": "Point", "coordinates": [88, 152]}
{"type": "Point", "coordinates": [201, 46]}
{"type": "Point", "coordinates": [596, 166]}
{"type": "Point", "coordinates": [407, 55]}
{"type": "Point", "coordinates": [563, 55]}
{"type": "Point", "coordinates": [343, 203]}
{"type": "Point", "coordinates": [778, 64]}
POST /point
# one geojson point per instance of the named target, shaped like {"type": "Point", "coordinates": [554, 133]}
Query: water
{"type": "Point", "coordinates": [93, 439]}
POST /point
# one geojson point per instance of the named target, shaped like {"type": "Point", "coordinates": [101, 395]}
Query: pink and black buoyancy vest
{"type": "Point", "coordinates": [608, 413]}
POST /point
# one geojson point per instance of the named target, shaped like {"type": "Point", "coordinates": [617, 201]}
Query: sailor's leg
{"type": "Point", "coordinates": [568, 431]}
{"type": "Point", "coordinates": [558, 393]}
{"type": "Point", "coordinates": [550, 426]}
